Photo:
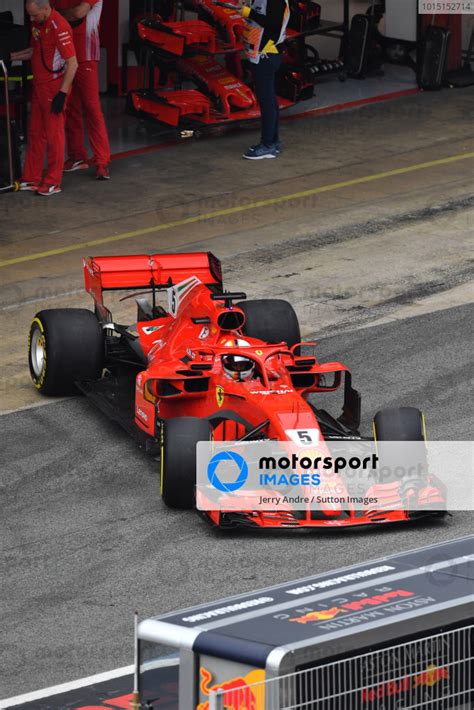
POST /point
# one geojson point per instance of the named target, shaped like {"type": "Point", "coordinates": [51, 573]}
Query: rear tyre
{"type": "Point", "coordinates": [178, 459]}
{"type": "Point", "coordinates": [272, 320]}
{"type": "Point", "coordinates": [65, 345]}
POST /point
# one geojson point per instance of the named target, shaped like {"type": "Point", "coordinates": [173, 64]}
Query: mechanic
{"type": "Point", "coordinates": [54, 65]}
{"type": "Point", "coordinates": [84, 102]}
{"type": "Point", "coordinates": [265, 31]}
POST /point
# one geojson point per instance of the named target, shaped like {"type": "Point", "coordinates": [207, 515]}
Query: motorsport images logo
{"type": "Point", "coordinates": [226, 457]}
{"type": "Point", "coordinates": [306, 473]}
{"type": "Point", "coordinates": [268, 475]}
{"type": "Point", "coordinates": [230, 462]}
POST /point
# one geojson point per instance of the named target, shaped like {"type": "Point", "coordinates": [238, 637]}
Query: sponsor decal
{"type": "Point", "coordinates": [350, 577]}
{"type": "Point", "coordinates": [157, 345]}
{"type": "Point", "coordinates": [89, 268]}
{"type": "Point", "coordinates": [259, 352]}
{"type": "Point", "coordinates": [190, 354]}
{"type": "Point", "coordinates": [143, 415]}
{"type": "Point", "coordinates": [230, 609]}
{"type": "Point", "coordinates": [281, 390]}
{"type": "Point", "coordinates": [357, 605]}
{"type": "Point", "coordinates": [177, 293]}
{"type": "Point", "coordinates": [205, 333]}
{"type": "Point", "coordinates": [428, 678]}
{"type": "Point", "coordinates": [220, 395]}
{"type": "Point", "coordinates": [149, 329]}
{"type": "Point", "coordinates": [238, 693]}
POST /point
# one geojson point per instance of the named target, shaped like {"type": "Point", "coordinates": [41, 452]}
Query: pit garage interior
{"type": "Point", "coordinates": [364, 223]}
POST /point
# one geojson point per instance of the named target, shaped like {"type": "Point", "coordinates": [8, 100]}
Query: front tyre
{"type": "Point", "coordinates": [408, 461]}
{"type": "Point", "coordinates": [178, 459]}
{"type": "Point", "coordinates": [399, 424]}
{"type": "Point", "coordinates": [65, 345]}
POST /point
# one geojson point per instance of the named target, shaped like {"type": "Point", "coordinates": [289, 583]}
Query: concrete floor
{"type": "Point", "coordinates": [87, 539]}
{"type": "Point", "coordinates": [364, 223]}
{"type": "Point", "coordinates": [167, 200]}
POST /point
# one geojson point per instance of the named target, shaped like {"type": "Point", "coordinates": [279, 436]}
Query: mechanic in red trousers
{"type": "Point", "coordinates": [84, 102]}
{"type": "Point", "coordinates": [54, 64]}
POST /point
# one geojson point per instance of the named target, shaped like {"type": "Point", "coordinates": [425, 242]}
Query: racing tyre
{"type": "Point", "coordinates": [403, 424]}
{"type": "Point", "coordinates": [272, 320]}
{"type": "Point", "coordinates": [178, 459]}
{"type": "Point", "coordinates": [65, 345]}
{"type": "Point", "coordinates": [399, 424]}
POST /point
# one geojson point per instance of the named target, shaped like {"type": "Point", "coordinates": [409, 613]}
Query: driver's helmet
{"type": "Point", "coordinates": [238, 368]}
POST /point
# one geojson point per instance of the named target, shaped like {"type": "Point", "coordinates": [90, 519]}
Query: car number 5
{"type": "Point", "coordinates": [303, 437]}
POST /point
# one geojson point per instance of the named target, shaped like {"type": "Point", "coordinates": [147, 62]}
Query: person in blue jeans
{"type": "Point", "coordinates": [266, 22]}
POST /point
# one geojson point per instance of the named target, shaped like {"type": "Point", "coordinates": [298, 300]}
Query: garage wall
{"type": "Point", "coordinates": [333, 10]}
{"type": "Point", "coordinates": [15, 6]}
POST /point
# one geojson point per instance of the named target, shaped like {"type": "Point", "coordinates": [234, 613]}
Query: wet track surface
{"type": "Point", "coordinates": [87, 539]}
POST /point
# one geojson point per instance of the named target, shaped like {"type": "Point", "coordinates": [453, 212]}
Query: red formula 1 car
{"type": "Point", "coordinates": [209, 364]}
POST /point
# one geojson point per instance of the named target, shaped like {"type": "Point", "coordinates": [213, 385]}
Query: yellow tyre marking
{"type": "Point", "coordinates": [162, 458]}
{"type": "Point", "coordinates": [39, 323]}
{"type": "Point", "coordinates": [425, 436]}
{"type": "Point", "coordinates": [39, 383]}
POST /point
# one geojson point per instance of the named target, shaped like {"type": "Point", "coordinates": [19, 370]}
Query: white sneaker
{"type": "Point", "coordinates": [70, 166]}
{"type": "Point", "coordinates": [28, 187]}
{"type": "Point", "coordinates": [47, 190]}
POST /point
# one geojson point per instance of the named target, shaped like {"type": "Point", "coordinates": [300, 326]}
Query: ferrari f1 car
{"type": "Point", "coordinates": [209, 365]}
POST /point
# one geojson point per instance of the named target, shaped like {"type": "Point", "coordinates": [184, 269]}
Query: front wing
{"type": "Point", "coordinates": [284, 520]}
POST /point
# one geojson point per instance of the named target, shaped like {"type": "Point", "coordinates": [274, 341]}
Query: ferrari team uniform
{"type": "Point", "coordinates": [52, 44]}
{"type": "Point", "coordinates": [84, 102]}
{"type": "Point", "coordinates": [266, 30]}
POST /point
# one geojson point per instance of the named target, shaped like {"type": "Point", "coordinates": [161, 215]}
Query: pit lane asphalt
{"type": "Point", "coordinates": [86, 538]}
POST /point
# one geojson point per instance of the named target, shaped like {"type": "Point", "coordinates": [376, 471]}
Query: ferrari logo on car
{"type": "Point", "coordinates": [219, 395]}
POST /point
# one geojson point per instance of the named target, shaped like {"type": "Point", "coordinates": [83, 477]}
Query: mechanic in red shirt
{"type": "Point", "coordinates": [84, 101]}
{"type": "Point", "coordinates": [54, 64]}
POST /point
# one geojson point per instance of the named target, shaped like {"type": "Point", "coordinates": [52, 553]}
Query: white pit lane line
{"type": "Point", "coordinates": [80, 683]}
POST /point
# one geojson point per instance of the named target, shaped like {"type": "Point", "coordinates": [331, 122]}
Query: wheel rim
{"type": "Point", "coordinates": [37, 351]}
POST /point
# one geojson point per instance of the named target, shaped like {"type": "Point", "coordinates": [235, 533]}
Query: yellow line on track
{"type": "Point", "coordinates": [236, 210]}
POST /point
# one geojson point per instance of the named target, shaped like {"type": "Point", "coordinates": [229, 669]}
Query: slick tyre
{"type": "Point", "coordinates": [399, 424]}
{"type": "Point", "coordinates": [272, 320]}
{"type": "Point", "coordinates": [65, 345]}
{"type": "Point", "coordinates": [178, 459]}
{"type": "Point", "coordinates": [406, 425]}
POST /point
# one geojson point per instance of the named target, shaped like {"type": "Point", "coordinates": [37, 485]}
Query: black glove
{"type": "Point", "coordinates": [57, 104]}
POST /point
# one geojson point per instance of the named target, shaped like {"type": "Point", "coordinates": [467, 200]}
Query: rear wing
{"type": "Point", "coordinates": [102, 273]}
